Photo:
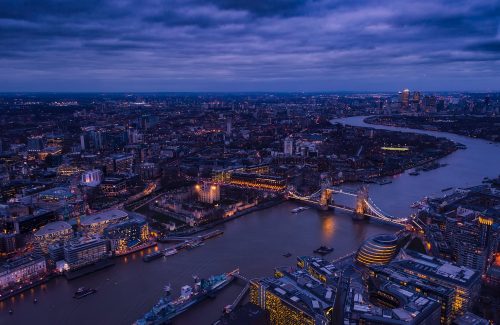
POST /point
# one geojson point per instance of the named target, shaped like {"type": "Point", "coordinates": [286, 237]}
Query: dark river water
{"type": "Point", "coordinates": [255, 243]}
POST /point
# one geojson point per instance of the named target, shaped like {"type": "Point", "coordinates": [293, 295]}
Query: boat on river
{"type": "Point", "coordinates": [299, 209]}
{"type": "Point", "coordinates": [83, 292]}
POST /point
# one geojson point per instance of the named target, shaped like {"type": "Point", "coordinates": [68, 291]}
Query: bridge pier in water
{"type": "Point", "coordinates": [362, 209]}
{"type": "Point", "coordinates": [325, 199]}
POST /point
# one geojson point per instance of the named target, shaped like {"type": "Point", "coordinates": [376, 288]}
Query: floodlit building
{"type": "Point", "coordinates": [208, 192]}
{"type": "Point", "coordinates": [91, 178]}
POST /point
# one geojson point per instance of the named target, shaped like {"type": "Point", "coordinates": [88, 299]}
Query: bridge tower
{"type": "Point", "coordinates": [361, 205]}
{"type": "Point", "coordinates": [326, 192]}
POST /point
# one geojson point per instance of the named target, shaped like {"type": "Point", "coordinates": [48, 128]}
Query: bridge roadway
{"type": "Point", "coordinates": [373, 211]}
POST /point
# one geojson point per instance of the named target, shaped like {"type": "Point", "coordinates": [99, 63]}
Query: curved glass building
{"type": "Point", "coordinates": [380, 249]}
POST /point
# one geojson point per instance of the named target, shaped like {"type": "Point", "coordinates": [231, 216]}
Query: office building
{"type": "Point", "coordinates": [319, 268]}
{"type": "Point", "coordinates": [20, 270]}
{"type": "Point", "coordinates": [444, 295]}
{"type": "Point", "coordinates": [126, 235]}
{"type": "Point", "coordinates": [119, 164]}
{"type": "Point", "coordinates": [465, 281]}
{"type": "Point", "coordinates": [94, 224]}
{"type": "Point", "coordinates": [113, 186]}
{"type": "Point", "coordinates": [385, 302]}
{"type": "Point", "coordinates": [294, 297]}
{"type": "Point", "coordinates": [405, 98]}
{"type": "Point", "coordinates": [51, 233]}
{"type": "Point", "coordinates": [83, 251]}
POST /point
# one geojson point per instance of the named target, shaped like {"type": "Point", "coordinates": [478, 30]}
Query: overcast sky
{"type": "Point", "coordinates": [249, 45]}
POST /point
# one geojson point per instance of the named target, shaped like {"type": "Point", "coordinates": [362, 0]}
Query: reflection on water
{"type": "Point", "coordinates": [327, 228]}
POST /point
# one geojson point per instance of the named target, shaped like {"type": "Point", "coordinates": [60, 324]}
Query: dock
{"type": "Point", "coordinates": [187, 242]}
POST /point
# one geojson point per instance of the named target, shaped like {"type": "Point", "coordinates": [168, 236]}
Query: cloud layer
{"type": "Point", "coordinates": [241, 45]}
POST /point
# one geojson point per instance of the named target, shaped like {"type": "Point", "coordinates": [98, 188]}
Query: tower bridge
{"type": "Point", "coordinates": [364, 206]}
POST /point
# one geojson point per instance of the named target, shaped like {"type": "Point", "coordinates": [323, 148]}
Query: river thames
{"type": "Point", "coordinates": [255, 243]}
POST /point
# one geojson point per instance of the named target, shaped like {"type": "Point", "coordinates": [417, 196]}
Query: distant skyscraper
{"type": "Point", "coordinates": [288, 146]}
{"type": "Point", "coordinates": [405, 98]}
{"type": "Point", "coordinates": [416, 97]}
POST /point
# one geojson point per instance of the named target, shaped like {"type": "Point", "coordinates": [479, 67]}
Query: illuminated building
{"type": "Point", "coordinates": [380, 249]}
{"type": "Point", "coordinates": [471, 238]}
{"type": "Point", "coordinates": [113, 186]}
{"type": "Point", "coordinates": [91, 178]}
{"type": "Point", "coordinates": [492, 276]}
{"type": "Point", "coordinates": [51, 233]}
{"type": "Point", "coordinates": [385, 302]}
{"type": "Point", "coordinates": [319, 268]}
{"type": "Point", "coordinates": [83, 251]}
{"type": "Point", "coordinates": [294, 297]}
{"type": "Point", "coordinates": [442, 294]}
{"type": "Point", "coordinates": [486, 229]}
{"type": "Point", "coordinates": [257, 181]}
{"type": "Point", "coordinates": [55, 194]}
{"type": "Point", "coordinates": [68, 170]}
{"type": "Point", "coordinates": [119, 163]}
{"type": "Point", "coordinates": [95, 223]}
{"type": "Point", "coordinates": [22, 269]}
{"type": "Point", "coordinates": [208, 193]}
{"type": "Point", "coordinates": [126, 235]}
{"type": "Point", "coordinates": [49, 152]}
{"type": "Point", "coordinates": [463, 280]}
{"type": "Point", "coordinates": [55, 140]}
{"type": "Point", "coordinates": [405, 98]}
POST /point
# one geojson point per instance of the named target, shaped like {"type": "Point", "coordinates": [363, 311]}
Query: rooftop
{"type": "Point", "coordinates": [53, 227]}
{"type": "Point", "coordinates": [103, 217]}
{"type": "Point", "coordinates": [439, 268]}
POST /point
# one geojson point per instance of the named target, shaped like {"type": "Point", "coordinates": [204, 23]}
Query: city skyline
{"type": "Point", "coordinates": [235, 46]}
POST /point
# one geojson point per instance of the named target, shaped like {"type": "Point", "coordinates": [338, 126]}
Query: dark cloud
{"type": "Point", "coordinates": [263, 7]}
{"type": "Point", "coordinates": [248, 45]}
{"type": "Point", "coordinates": [493, 46]}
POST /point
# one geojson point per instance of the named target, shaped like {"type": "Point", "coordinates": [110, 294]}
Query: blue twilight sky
{"type": "Point", "coordinates": [249, 45]}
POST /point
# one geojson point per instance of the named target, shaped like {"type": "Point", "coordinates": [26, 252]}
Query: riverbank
{"type": "Point", "coordinates": [482, 127]}
{"type": "Point", "coordinates": [258, 207]}
{"type": "Point", "coordinates": [14, 292]}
